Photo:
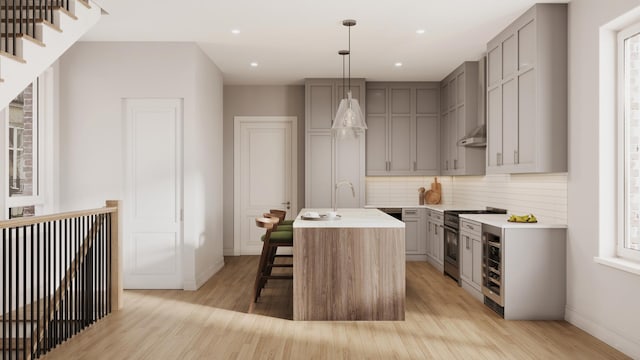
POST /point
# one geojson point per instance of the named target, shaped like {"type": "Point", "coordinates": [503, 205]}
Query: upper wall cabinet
{"type": "Point", "coordinates": [328, 159]}
{"type": "Point", "coordinates": [459, 107]}
{"type": "Point", "coordinates": [403, 135]}
{"type": "Point", "coordinates": [527, 94]}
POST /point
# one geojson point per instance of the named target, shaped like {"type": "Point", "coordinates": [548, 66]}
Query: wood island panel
{"type": "Point", "coordinates": [349, 274]}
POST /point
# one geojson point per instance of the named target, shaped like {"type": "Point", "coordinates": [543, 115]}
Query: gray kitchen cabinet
{"type": "Point", "coordinates": [404, 128]}
{"type": "Point", "coordinates": [416, 236]}
{"type": "Point", "coordinates": [329, 159]}
{"type": "Point", "coordinates": [471, 257]}
{"type": "Point", "coordinates": [458, 119]}
{"type": "Point", "coordinates": [527, 93]}
{"type": "Point", "coordinates": [435, 239]}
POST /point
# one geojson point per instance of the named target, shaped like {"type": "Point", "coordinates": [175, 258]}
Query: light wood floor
{"type": "Point", "coordinates": [442, 322]}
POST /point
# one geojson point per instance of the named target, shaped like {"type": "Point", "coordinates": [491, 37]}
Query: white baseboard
{"type": "Point", "coordinates": [203, 276]}
{"type": "Point", "coordinates": [620, 342]}
{"type": "Point", "coordinates": [413, 257]}
{"type": "Point", "coordinates": [477, 294]}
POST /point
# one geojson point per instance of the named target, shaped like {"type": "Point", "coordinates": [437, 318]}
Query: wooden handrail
{"type": "Point", "coordinates": [103, 229]}
{"type": "Point", "coordinates": [32, 220]}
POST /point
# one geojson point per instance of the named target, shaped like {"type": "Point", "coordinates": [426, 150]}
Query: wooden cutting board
{"type": "Point", "coordinates": [434, 196]}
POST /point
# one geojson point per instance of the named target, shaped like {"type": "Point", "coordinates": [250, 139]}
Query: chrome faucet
{"type": "Point", "coordinates": [335, 192]}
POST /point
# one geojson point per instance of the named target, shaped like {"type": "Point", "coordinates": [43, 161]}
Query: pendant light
{"type": "Point", "coordinates": [349, 119]}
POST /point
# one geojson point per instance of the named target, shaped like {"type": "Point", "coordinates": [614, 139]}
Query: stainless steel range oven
{"type": "Point", "coordinates": [452, 238]}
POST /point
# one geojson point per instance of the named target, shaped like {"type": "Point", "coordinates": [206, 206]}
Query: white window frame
{"type": "Point", "coordinates": [622, 139]}
{"type": "Point", "coordinates": [36, 199]}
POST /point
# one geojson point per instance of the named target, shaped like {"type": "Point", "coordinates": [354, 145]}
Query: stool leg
{"type": "Point", "coordinates": [261, 267]}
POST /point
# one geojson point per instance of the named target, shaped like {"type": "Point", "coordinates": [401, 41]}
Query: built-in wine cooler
{"type": "Point", "coordinates": [493, 268]}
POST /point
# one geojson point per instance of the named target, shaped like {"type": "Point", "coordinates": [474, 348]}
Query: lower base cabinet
{"type": "Point", "coordinates": [471, 257]}
{"type": "Point", "coordinates": [435, 239]}
{"type": "Point", "coordinates": [415, 220]}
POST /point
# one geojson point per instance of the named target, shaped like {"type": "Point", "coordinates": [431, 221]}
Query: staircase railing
{"type": "Point", "coordinates": [61, 273]}
{"type": "Point", "coordinates": [19, 18]}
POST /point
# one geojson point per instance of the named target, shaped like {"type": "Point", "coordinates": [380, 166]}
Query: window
{"type": "Point", "coordinates": [22, 153]}
{"type": "Point", "coordinates": [629, 142]}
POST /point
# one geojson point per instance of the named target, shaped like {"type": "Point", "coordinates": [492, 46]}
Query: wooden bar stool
{"type": "Point", "coordinates": [271, 241]}
{"type": "Point", "coordinates": [281, 214]}
{"type": "Point", "coordinates": [279, 226]}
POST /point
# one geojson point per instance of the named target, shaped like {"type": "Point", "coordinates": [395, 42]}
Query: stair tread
{"type": "Point", "coordinates": [25, 36]}
{"type": "Point", "coordinates": [12, 57]}
{"type": "Point", "coordinates": [85, 3]}
{"type": "Point", "coordinates": [37, 21]}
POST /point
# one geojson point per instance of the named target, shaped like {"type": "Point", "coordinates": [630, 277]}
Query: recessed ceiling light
{"type": "Point", "coordinates": [235, 31]}
{"type": "Point", "coordinates": [398, 64]}
{"type": "Point", "coordinates": [420, 31]}
{"type": "Point", "coordinates": [254, 64]}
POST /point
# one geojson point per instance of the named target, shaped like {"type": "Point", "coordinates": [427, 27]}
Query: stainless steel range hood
{"type": "Point", "coordinates": [476, 138]}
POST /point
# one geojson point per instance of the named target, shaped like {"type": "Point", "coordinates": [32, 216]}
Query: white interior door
{"type": "Point", "coordinates": [153, 233]}
{"type": "Point", "coordinates": [265, 175]}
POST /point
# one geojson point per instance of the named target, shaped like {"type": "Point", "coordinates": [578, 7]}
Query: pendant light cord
{"type": "Point", "coordinates": [349, 58]}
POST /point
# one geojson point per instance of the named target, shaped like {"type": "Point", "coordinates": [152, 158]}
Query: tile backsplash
{"type": "Point", "coordinates": [544, 195]}
{"type": "Point", "coordinates": [403, 190]}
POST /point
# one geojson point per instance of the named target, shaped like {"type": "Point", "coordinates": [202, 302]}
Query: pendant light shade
{"type": "Point", "coordinates": [349, 120]}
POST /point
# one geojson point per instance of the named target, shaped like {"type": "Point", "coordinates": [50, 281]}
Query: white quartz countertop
{"type": "Point", "coordinates": [500, 220]}
{"type": "Point", "coordinates": [438, 207]}
{"type": "Point", "coordinates": [350, 218]}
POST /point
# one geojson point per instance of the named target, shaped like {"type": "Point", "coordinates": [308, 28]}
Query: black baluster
{"type": "Point", "coordinates": [32, 283]}
{"type": "Point", "coordinates": [17, 290]}
{"type": "Point", "coordinates": [67, 229]}
{"type": "Point", "coordinates": [100, 264]}
{"type": "Point", "coordinates": [85, 313]}
{"type": "Point", "coordinates": [10, 287]}
{"type": "Point", "coordinates": [45, 266]}
{"type": "Point", "coordinates": [109, 279]}
{"type": "Point", "coordinates": [4, 291]}
{"type": "Point", "coordinates": [54, 285]}
{"type": "Point", "coordinates": [39, 281]}
{"type": "Point", "coordinates": [24, 292]}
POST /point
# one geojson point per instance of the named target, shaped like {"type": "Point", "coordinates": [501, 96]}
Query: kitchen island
{"type": "Point", "coordinates": [352, 268]}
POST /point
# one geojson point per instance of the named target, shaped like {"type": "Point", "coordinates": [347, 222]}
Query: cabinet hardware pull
{"type": "Point", "coordinates": [446, 164]}
{"type": "Point", "coordinates": [455, 164]}
{"type": "Point", "coordinates": [515, 157]}
{"type": "Point", "coordinates": [467, 242]}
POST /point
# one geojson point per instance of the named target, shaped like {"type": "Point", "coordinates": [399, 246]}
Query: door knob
{"type": "Point", "coordinates": [288, 203]}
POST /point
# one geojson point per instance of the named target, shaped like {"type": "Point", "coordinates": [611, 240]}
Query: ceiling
{"type": "Point", "coordinates": [296, 39]}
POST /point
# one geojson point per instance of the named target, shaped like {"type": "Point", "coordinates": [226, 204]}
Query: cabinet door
{"type": "Point", "coordinates": [429, 238]}
{"type": "Point", "coordinates": [426, 141]}
{"type": "Point", "coordinates": [453, 94]}
{"type": "Point", "coordinates": [477, 263]}
{"type": "Point", "coordinates": [444, 146]}
{"type": "Point", "coordinates": [321, 104]}
{"type": "Point", "coordinates": [452, 140]}
{"type": "Point", "coordinates": [440, 244]}
{"type": "Point", "coordinates": [318, 175]}
{"type": "Point", "coordinates": [509, 57]}
{"type": "Point", "coordinates": [411, 235]}
{"type": "Point", "coordinates": [494, 66]}
{"type": "Point", "coordinates": [466, 252]}
{"type": "Point", "coordinates": [427, 144]}
{"type": "Point", "coordinates": [377, 131]}
{"type": "Point", "coordinates": [509, 122]}
{"type": "Point", "coordinates": [527, 138]}
{"type": "Point", "coordinates": [494, 126]}
{"type": "Point", "coordinates": [400, 130]}
{"type": "Point", "coordinates": [461, 131]}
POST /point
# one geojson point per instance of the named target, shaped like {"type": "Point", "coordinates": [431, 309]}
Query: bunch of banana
{"type": "Point", "coordinates": [530, 218]}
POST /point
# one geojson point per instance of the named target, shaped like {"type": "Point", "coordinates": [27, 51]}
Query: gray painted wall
{"type": "Point", "coordinates": [257, 101]}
